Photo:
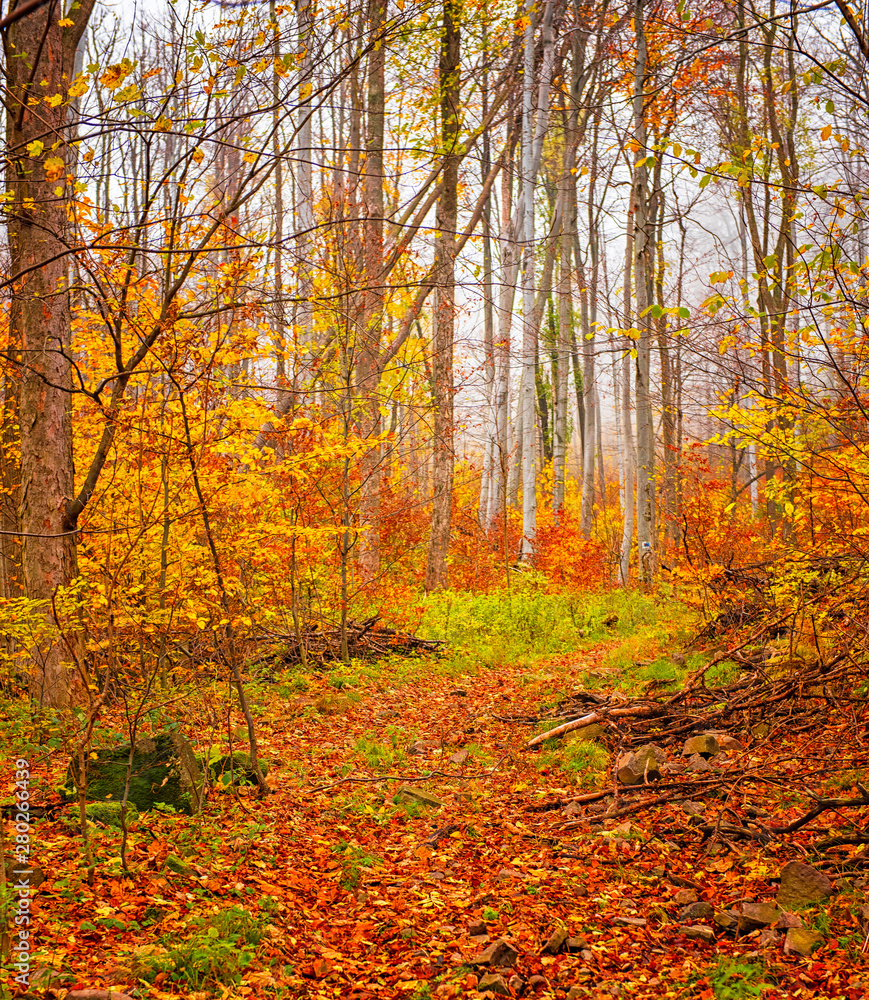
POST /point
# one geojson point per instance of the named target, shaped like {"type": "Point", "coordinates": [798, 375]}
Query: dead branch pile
{"type": "Point", "coordinates": [366, 640]}
{"type": "Point", "coordinates": [794, 691]}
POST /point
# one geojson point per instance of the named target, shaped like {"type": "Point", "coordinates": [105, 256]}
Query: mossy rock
{"type": "Point", "coordinates": [235, 769]}
{"type": "Point", "coordinates": [109, 813]}
{"type": "Point", "coordinates": [164, 773]}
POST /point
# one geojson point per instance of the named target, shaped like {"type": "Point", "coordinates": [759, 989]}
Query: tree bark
{"type": "Point", "coordinates": [445, 307]}
{"type": "Point", "coordinates": [40, 60]}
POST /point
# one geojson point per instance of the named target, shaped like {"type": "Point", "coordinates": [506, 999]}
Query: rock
{"type": "Point", "coordinates": [801, 884]}
{"type": "Point", "coordinates": [760, 731]}
{"type": "Point", "coordinates": [493, 983]}
{"type": "Point", "coordinates": [678, 659]}
{"type": "Point", "coordinates": [685, 896]}
{"type": "Point", "coordinates": [586, 954]}
{"type": "Point", "coordinates": [753, 916]}
{"type": "Point", "coordinates": [575, 945]}
{"type": "Point", "coordinates": [408, 793]}
{"type": "Point", "coordinates": [164, 772]}
{"type": "Point", "coordinates": [44, 977]}
{"type": "Point", "coordinates": [788, 920]}
{"type": "Point", "coordinates": [729, 743]}
{"type": "Point", "coordinates": [706, 746]}
{"type": "Point", "coordinates": [641, 765]}
{"type": "Point", "coordinates": [575, 992]}
{"type": "Point", "coordinates": [588, 734]}
{"type": "Point", "coordinates": [109, 813]}
{"type": "Point", "coordinates": [235, 769]}
{"type": "Point", "coordinates": [536, 981]}
{"type": "Point", "coordinates": [96, 995]}
{"type": "Point", "coordinates": [726, 920]}
{"type": "Point", "coordinates": [802, 941]}
{"type": "Point", "coordinates": [516, 984]}
{"type": "Point", "coordinates": [459, 757]}
{"type": "Point", "coordinates": [573, 809]}
{"type": "Point", "coordinates": [500, 953]}
{"type": "Point", "coordinates": [699, 932]}
{"type": "Point", "coordinates": [175, 864]}
{"type": "Point", "coordinates": [631, 921]}
{"type": "Point", "coordinates": [555, 941]}
{"type": "Point", "coordinates": [698, 764]}
{"type": "Point", "coordinates": [477, 927]}
{"type": "Point", "coordinates": [23, 872]}
{"type": "Point", "coordinates": [700, 910]}
{"type": "Point", "coordinates": [768, 938]}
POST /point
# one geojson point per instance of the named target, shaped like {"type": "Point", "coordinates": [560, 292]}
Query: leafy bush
{"type": "Point", "coordinates": [222, 946]}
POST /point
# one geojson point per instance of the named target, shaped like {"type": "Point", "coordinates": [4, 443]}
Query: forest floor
{"type": "Point", "coordinates": [341, 885]}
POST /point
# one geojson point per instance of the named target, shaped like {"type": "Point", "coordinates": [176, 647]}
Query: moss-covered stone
{"type": "Point", "coordinates": [164, 772]}
{"type": "Point", "coordinates": [109, 813]}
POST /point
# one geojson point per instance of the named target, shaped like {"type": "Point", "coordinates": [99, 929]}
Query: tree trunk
{"type": "Point", "coordinates": [40, 60]}
{"type": "Point", "coordinates": [444, 308]}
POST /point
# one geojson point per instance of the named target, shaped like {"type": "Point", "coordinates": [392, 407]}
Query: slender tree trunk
{"type": "Point", "coordinates": [626, 425]}
{"type": "Point", "coordinates": [444, 308]}
{"type": "Point", "coordinates": [643, 246]}
{"type": "Point", "coordinates": [368, 347]}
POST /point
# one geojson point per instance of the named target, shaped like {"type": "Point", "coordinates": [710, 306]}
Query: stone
{"type": "Point", "coordinates": [678, 659]}
{"type": "Point", "coordinates": [641, 765]}
{"type": "Point", "coordinates": [500, 953]}
{"type": "Point", "coordinates": [575, 945]}
{"type": "Point", "coordinates": [729, 743]}
{"type": "Point", "coordinates": [726, 920]}
{"type": "Point", "coordinates": [685, 896]}
{"type": "Point", "coordinates": [802, 941]}
{"type": "Point", "coordinates": [787, 920]}
{"type": "Point", "coordinates": [760, 730]}
{"type": "Point", "coordinates": [587, 734]}
{"type": "Point", "coordinates": [44, 977]}
{"type": "Point", "coordinates": [555, 941]}
{"type": "Point", "coordinates": [573, 809]}
{"type": "Point", "coordinates": [408, 793]}
{"type": "Point", "coordinates": [768, 938]}
{"type": "Point", "coordinates": [175, 864]}
{"type": "Point", "coordinates": [235, 769]}
{"type": "Point", "coordinates": [164, 772]}
{"type": "Point", "coordinates": [699, 932]}
{"type": "Point", "coordinates": [706, 746]}
{"type": "Point", "coordinates": [493, 983]}
{"type": "Point", "coordinates": [575, 992]}
{"type": "Point", "coordinates": [516, 984]}
{"type": "Point", "coordinates": [96, 995]}
{"type": "Point", "coordinates": [698, 764]}
{"type": "Point", "coordinates": [754, 916]}
{"type": "Point", "coordinates": [24, 871]}
{"type": "Point", "coordinates": [535, 981]}
{"type": "Point", "coordinates": [700, 910]}
{"type": "Point", "coordinates": [630, 921]}
{"type": "Point", "coordinates": [460, 757]}
{"type": "Point", "coordinates": [802, 884]}
{"type": "Point", "coordinates": [109, 813]}
{"type": "Point", "coordinates": [477, 927]}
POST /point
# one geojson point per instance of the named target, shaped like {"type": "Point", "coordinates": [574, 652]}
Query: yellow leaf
{"type": "Point", "coordinates": [249, 157]}
{"type": "Point", "coordinates": [65, 22]}
{"type": "Point", "coordinates": [826, 131]}
{"type": "Point", "coordinates": [35, 148]}
{"type": "Point", "coordinates": [163, 124]}
{"type": "Point", "coordinates": [88, 156]}
{"type": "Point", "coordinates": [54, 168]}
{"type": "Point", "coordinates": [79, 86]}
{"type": "Point", "coordinates": [198, 155]}
{"type": "Point", "coordinates": [54, 100]}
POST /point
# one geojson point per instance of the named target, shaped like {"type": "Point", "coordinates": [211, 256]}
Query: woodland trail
{"type": "Point", "coordinates": [382, 899]}
{"type": "Point", "coordinates": [363, 895]}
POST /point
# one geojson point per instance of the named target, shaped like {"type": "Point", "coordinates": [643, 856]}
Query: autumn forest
{"type": "Point", "coordinates": [434, 499]}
